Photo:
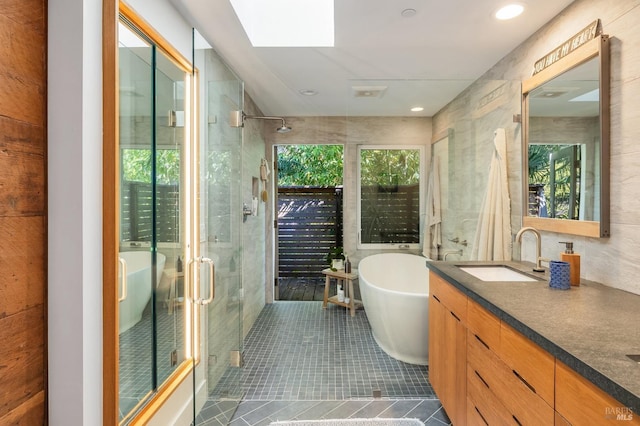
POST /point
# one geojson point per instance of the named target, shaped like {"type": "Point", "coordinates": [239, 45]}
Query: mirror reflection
{"type": "Point", "coordinates": [564, 143]}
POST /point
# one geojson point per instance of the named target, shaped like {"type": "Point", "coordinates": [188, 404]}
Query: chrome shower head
{"type": "Point", "coordinates": [236, 119]}
{"type": "Point", "coordinates": [284, 128]}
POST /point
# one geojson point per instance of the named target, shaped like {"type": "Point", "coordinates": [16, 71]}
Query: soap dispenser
{"type": "Point", "coordinates": [573, 259]}
{"type": "Point", "coordinates": [347, 264]}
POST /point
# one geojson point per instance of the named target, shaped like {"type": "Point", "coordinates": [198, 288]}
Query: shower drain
{"type": "Point", "coordinates": [377, 393]}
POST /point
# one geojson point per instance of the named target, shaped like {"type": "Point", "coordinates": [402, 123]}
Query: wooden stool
{"type": "Point", "coordinates": [172, 276]}
{"type": "Point", "coordinates": [341, 277]}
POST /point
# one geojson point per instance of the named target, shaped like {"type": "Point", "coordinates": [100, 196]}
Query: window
{"type": "Point", "coordinates": [555, 180]}
{"type": "Point", "coordinates": [137, 195]}
{"type": "Point", "coordinates": [389, 196]}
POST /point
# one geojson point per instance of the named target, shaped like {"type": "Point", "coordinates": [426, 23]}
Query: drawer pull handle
{"type": "Point", "coordinates": [516, 420]}
{"type": "Point", "coordinates": [524, 381]}
{"type": "Point", "coordinates": [455, 316]}
{"type": "Point", "coordinates": [436, 297]}
{"type": "Point", "coordinates": [481, 379]}
{"type": "Point", "coordinates": [481, 416]}
{"type": "Point", "coordinates": [482, 341]}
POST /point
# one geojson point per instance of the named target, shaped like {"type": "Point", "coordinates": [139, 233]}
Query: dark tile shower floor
{"type": "Point", "coordinates": [136, 353]}
{"type": "Point", "coordinates": [303, 362]}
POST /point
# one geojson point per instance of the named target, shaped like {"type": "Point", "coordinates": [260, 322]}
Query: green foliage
{"type": "Point", "coordinates": [219, 167]}
{"type": "Point", "coordinates": [389, 167]}
{"type": "Point", "coordinates": [136, 165]}
{"type": "Point", "coordinates": [539, 172]}
{"type": "Point", "coordinates": [334, 253]}
{"type": "Point", "coordinates": [310, 165]}
{"type": "Point", "coordinates": [539, 164]}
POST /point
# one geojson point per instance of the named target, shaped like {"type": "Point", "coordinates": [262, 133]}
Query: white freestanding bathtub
{"type": "Point", "coordinates": [395, 293]}
{"type": "Point", "coordinates": [139, 286]}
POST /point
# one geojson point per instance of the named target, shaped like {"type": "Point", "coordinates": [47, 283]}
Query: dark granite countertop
{"type": "Point", "coordinates": [591, 328]}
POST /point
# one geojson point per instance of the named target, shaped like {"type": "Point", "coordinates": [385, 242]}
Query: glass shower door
{"type": "Point", "coordinates": [154, 162]}
{"type": "Point", "coordinates": [135, 324]}
{"type": "Point", "coordinates": [218, 345]}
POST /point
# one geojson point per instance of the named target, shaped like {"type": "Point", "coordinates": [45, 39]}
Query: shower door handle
{"type": "Point", "coordinates": [189, 286]}
{"type": "Point", "coordinates": [123, 281]}
{"type": "Point", "coordinates": [212, 278]}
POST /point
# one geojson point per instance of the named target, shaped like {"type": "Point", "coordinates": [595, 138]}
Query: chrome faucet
{"type": "Point", "coordinates": [535, 232]}
{"type": "Point", "coordinates": [447, 253]}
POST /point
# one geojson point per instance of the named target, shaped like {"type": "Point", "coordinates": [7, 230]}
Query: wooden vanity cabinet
{"type": "Point", "coordinates": [483, 324]}
{"type": "Point", "coordinates": [448, 347]}
{"type": "Point", "coordinates": [580, 402]}
{"type": "Point", "coordinates": [474, 383]}
{"type": "Point", "coordinates": [486, 372]}
{"type": "Point", "coordinates": [534, 366]}
{"type": "Point", "coordinates": [483, 335]}
{"type": "Point", "coordinates": [514, 400]}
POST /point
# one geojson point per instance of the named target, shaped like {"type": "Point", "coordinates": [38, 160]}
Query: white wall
{"type": "Point", "coordinates": [74, 212]}
{"type": "Point", "coordinates": [165, 19]}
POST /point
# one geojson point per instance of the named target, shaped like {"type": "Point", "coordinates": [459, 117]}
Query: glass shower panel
{"type": "Point", "coordinates": [169, 199]}
{"type": "Point", "coordinates": [136, 380]}
{"type": "Point", "coordinates": [219, 347]}
{"type": "Point", "coordinates": [439, 197]}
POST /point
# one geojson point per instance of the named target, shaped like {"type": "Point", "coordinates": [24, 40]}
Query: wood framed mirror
{"type": "Point", "coordinates": [565, 118]}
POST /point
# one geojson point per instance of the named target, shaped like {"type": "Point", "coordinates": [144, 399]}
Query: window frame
{"type": "Point", "coordinates": [421, 200]}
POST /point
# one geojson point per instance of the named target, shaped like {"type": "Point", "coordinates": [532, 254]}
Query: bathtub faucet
{"type": "Point", "coordinates": [536, 233]}
{"type": "Point", "coordinates": [447, 253]}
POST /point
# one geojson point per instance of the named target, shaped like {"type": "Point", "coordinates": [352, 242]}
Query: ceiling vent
{"type": "Point", "coordinates": [368, 91]}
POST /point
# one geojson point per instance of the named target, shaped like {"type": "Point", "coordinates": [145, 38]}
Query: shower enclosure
{"type": "Point", "coordinates": [219, 350]}
{"type": "Point", "coordinates": [179, 309]}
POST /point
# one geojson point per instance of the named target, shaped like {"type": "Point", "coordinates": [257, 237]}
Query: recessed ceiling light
{"type": "Point", "coordinates": [509, 11]}
{"type": "Point", "coordinates": [417, 109]}
{"type": "Point", "coordinates": [408, 13]}
{"type": "Point", "coordinates": [308, 92]}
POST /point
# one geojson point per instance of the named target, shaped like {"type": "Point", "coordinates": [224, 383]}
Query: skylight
{"type": "Point", "coordinates": [592, 96]}
{"type": "Point", "coordinates": [286, 23]}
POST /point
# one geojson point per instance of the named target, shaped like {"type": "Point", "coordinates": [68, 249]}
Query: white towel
{"type": "Point", "coordinates": [433, 221]}
{"type": "Point", "coordinates": [493, 233]}
{"type": "Point", "coordinates": [264, 170]}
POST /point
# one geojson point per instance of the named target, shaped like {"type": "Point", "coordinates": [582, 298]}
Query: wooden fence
{"type": "Point", "coordinates": [137, 209]}
{"type": "Point", "coordinates": [309, 224]}
{"type": "Point", "coordinates": [390, 214]}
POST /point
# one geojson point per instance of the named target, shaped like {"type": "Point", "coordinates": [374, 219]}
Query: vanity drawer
{"type": "Point", "coordinates": [482, 405]}
{"type": "Point", "coordinates": [483, 324]}
{"type": "Point", "coordinates": [449, 296]}
{"type": "Point", "coordinates": [521, 403]}
{"type": "Point", "coordinates": [534, 365]}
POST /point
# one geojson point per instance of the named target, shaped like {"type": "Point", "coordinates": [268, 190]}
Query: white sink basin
{"type": "Point", "coordinates": [496, 273]}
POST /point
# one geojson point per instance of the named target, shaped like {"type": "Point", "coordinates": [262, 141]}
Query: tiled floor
{"type": "Point", "coordinates": [136, 350]}
{"type": "Point", "coordinates": [303, 362]}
